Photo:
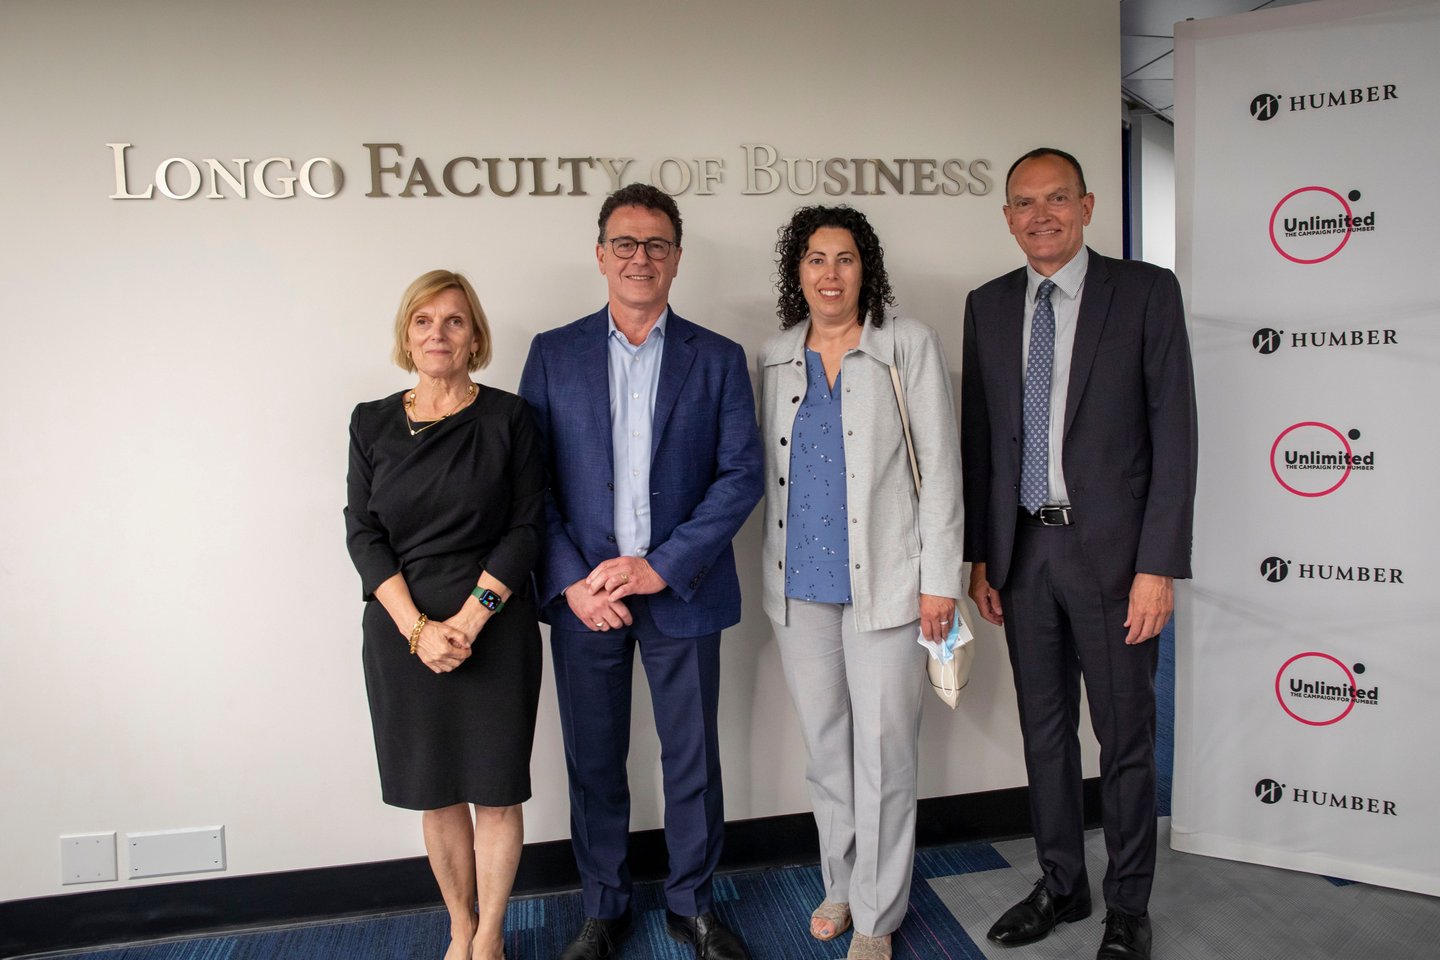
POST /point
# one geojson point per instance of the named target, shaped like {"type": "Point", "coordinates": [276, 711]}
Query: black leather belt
{"type": "Point", "coordinates": [1049, 516]}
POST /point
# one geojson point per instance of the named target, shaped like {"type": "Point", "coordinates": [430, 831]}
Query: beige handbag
{"type": "Point", "coordinates": [947, 678]}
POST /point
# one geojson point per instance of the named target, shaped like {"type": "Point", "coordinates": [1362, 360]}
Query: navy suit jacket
{"type": "Point", "coordinates": [1129, 446]}
{"type": "Point", "coordinates": [705, 469]}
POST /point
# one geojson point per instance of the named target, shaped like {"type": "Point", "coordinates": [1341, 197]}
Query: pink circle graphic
{"type": "Point", "coordinates": [1276, 212]}
{"type": "Point", "coordinates": [1275, 471]}
{"type": "Point", "coordinates": [1349, 678]}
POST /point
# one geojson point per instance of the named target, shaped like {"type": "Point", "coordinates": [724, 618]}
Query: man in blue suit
{"type": "Point", "coordinates": [648, 426]}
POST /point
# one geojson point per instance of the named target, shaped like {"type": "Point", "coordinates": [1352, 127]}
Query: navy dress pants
{"type": "Point", "coordinates": [593, 676]}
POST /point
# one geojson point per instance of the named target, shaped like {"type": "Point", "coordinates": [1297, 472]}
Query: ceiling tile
{"type": "Point", "coordinates": [1136, 52]}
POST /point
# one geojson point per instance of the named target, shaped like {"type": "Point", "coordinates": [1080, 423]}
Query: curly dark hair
{"type": "Point", "coordinates": [640, 195]}
{"type": "Point", "coordinates": [875, 293]}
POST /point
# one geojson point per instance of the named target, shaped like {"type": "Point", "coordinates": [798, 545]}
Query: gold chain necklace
{"type": "Point", "coordinates": [410, 409]}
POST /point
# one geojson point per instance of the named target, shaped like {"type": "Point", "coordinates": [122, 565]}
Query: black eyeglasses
{"type": "Point", "coordinates": [655, 249]}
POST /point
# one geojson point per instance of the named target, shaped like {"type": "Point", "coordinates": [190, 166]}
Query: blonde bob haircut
{"type": "Point", "coordinates": [426, 288]}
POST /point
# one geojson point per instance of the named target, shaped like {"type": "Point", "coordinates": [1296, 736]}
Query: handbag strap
{"type": "Point", "coordinates": [905, 426]}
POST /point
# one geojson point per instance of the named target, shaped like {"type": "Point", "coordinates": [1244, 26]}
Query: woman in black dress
{"type": "Point", "coordinates": [444, 525]}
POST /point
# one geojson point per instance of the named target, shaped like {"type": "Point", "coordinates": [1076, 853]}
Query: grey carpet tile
{"type": "Point", "coordinates": [1204, 908]}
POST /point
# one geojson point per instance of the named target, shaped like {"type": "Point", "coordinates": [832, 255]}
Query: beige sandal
{"type": "Point", "coordinates": [869, 948]}
{"type": "Point", "coordinates": [835, 915]}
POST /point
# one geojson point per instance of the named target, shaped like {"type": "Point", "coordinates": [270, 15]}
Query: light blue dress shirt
{"type": "Point", "coordinates": [634, 380]}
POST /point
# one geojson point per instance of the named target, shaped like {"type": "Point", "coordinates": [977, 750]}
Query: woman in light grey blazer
{"type": "Point", "coordinates": [856, 560]}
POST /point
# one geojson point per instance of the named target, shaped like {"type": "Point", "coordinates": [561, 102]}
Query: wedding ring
{"type": "Point", "coordinates": [599, 623]}
{"type": "Point", "coordinates": [624, 578]}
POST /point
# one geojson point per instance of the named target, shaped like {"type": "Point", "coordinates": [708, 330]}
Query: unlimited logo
{"type": "Point", "coordinates": [1313, 459]}
{"type": "Point", "coordinates": [1312, 224]}
{"type": "Point", "coordinates": [1317, 689]}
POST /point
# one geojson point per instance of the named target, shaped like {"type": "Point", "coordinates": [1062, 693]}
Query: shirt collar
{"type": "Point", "coordinates": [1069, 278]}
{"type": "Point", "coordinates": [656, 331]}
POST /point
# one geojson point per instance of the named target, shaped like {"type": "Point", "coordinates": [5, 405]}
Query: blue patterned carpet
{"type": "Point", "coordinates": [768, 907]}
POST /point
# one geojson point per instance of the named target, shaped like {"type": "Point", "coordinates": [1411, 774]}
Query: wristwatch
{"type": "Point", "coordinates": [489, 599]}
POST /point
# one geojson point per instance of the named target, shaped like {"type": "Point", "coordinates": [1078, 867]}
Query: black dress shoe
{"type": "Point", "coordinates": [710, 938]}
{"type": "Point", "coordinates": [1034, 917]}
{"type": "Point", "coordinates": [598, 939]}
{"type": "Point", "coordinates": [1126, 937]}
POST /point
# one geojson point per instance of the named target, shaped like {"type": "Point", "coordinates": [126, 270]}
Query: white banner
{"type": "Point", "coordinates": [1308, 673]}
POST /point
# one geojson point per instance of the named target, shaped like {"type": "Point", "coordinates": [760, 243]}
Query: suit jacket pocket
{"type": "Point", "coordinates": [1139, 485]}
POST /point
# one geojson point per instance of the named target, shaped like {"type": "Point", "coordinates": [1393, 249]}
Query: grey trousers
{"type": "Point", "coordinates": [858, 695]}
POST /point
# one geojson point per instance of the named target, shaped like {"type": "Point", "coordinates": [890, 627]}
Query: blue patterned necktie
{"type": "Point", "coordinates": [1035, 462]}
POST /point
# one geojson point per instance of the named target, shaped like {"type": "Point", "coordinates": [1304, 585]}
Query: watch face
{"type": "Point", "coordinates": [490, 600]}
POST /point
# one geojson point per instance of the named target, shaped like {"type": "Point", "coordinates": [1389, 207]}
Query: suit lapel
{"type": "Point", "coordinates": [1094, 308]}
{"type": "Point", "coordinates": [1011, 338]}
{"type": "Point", "coordinates": [593, 362]}
{"type": "Point", "coordinates": [675, 362]}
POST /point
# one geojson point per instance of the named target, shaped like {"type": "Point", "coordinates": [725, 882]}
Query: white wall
{"type": "Point", "coordinates": [181, 621]}
{"type": "Point", "coordinates": [1156, 144]}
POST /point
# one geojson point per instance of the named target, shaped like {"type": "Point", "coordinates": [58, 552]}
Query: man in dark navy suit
{"type": "Point", "coordinates": [1079, 450]}
{"type": "Point", "coordinates": [648, 426]}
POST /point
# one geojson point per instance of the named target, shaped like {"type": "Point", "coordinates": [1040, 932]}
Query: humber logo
{"type": "Point", "coordinates": [1265, 106]}
{"type": "Point", "coordinates": [1266, 340]}
{"type": "Point", "coordinates": [1274, 569]}
{"type": "Point", "coordinates": [1269, 791]}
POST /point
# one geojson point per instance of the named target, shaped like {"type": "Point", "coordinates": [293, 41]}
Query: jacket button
{"type": "Point", "coordinates": [782, 481]}
{"type": "Point", "coordinates": [610, 538]}
{"type": "Point", "coordinates": [784, 442]}
{"type": "Point", "coordinates": [610, 486]}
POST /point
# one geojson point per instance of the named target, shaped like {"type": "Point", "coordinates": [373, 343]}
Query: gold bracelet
{"type": "Point", "coordinates": [415, 631]}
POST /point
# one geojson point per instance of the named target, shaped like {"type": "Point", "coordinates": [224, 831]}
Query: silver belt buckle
{"type": "Point", "coordinates": [1057, 516]}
